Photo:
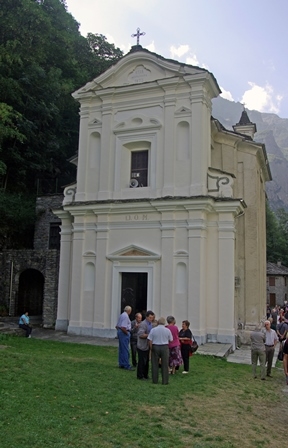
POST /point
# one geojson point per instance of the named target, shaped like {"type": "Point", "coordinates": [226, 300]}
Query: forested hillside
{"type": "Point", "coordinates": [43, 59]}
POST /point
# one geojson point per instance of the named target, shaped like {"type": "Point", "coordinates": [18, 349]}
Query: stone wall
{"type": "Point", "coordinates": [44, 260]}
{"type": "Point", "coordinates": [13, 263]}
{"type": "Point", "coordinates": [44, 207]}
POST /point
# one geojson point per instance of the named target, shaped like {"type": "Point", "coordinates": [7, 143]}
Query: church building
{"type": "Point", "coordinates": [168, 209]}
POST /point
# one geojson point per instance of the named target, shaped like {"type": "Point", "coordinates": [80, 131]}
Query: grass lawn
{"type": "Point", "coordinates": [57, 394]}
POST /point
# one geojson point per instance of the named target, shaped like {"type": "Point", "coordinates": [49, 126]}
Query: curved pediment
{"type": "Point", "coordinates": [138, 67]}
{"type": "Point", "coordinates": [133, 252]}
{"type": "Point", "coordinates": [89, 254]}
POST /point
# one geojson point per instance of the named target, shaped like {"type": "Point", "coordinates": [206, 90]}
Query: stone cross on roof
{"type": "Point", "coordinates": [138, 34]}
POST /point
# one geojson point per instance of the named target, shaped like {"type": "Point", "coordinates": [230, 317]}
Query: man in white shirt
{"type": "Point", "coordinates": [271, 340]}
{"type": "Point", "coordinates": [159, 338]}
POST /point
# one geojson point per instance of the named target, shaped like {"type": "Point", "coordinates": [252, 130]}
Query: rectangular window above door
{"type": "Point", "coordinates": [139, 169]}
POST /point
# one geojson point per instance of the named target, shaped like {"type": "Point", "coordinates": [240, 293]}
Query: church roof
{"type": "Point", "coordinates": [136, 48]}
{"type": "Point", "coordinates": [121, 73]}
{"type": "Point", "coordinates": [276, 269]}
{"type": "Point", "coordinates": [244, 119]}
{"type": "Point", "coordinates": [222, 128]}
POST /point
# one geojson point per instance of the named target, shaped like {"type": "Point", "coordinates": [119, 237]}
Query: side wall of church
{"type": "Point", "coordinates": [242, 160]}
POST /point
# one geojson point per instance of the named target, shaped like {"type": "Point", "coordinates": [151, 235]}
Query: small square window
{"type": "Point", "coordinates": [139, 168]}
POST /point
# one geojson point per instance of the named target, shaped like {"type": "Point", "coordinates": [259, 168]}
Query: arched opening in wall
{"type": "Point", "coordinates": [30, 292]}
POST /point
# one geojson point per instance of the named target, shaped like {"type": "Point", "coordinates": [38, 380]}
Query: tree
{"type": "Point", "coordinates": [106, 54]}
{"type": "Point", "coordinates": [44, 59]}
{"type": "Point", "coordinates": [277, 235]}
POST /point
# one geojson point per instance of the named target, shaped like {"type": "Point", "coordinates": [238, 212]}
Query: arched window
{"type": "Point", "coordinates": [89, 277]}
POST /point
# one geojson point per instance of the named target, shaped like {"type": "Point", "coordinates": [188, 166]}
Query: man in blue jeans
{"type": "Point", "coordinates": [123, 328]}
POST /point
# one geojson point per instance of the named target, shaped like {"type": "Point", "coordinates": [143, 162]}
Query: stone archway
{"type": "Point", "coordinates": [30, 292]}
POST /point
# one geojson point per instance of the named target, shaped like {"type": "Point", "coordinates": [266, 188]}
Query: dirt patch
{"type": "Point", "coordinates": [233, 417]}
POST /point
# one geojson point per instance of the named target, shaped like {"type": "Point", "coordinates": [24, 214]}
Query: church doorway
{"type": "Point", "coordinates": [30, 292]}
{"type": "Point", "coordinates": [134, 292]}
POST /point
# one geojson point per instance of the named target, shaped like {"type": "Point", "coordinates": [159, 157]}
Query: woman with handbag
{"type": "Point", "coordinates": [185, 337]}
{"type": "Point", "coordinates": [175, 358]}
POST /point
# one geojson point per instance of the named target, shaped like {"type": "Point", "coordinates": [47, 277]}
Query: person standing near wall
{"type": "Point", "coordinates": [185, 338]}
{"type": "Point", "coordinates": [258, 351]}
{"type": "Point", "coordinates": [123, 328]}
{"type": "Point", "coordinates": [271, 340]}
{"type": "Point", "coordinates": [133, 340]}
{"type": "Point", "coordinates": [175, 357]}
{"type": "Point", "coordinates": [159, 338]}
{"type": "Point", "coordinates": [285, 360]}
{"type": "Point", "coordinates": [143, 348]}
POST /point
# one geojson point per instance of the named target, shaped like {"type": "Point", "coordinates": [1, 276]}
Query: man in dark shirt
{"type": "Point", "coordinates": [143, 348]}
{"type": "Point", "coordinates": [285, 360]}
{"type": "Point", "coordinates": [133, 340]}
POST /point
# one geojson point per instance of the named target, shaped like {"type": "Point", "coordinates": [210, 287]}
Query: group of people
{"type": "Point", "coordinates": [169, 347]}
{"type": "Point", "coordinates": [277, 315]}
{"type": "Point", "coordinates": [263, 343]}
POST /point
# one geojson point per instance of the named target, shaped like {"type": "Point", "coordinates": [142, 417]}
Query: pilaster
{"type": "Point", "coordinates": [83, 152]}
{"type": "Point", "coordinates": [169, 142]}
{"type": "Point", "coordinates": [63, 310]}
{"type": "Point", "coordinates": [167, 304]}
{"type": "Point", "coordinates": [226, 286]}
{"type": "Point", "coordinates": [103, 291]}
{"type": "Point", "coordinates": [197, 234]}
{"type": "Point", "coordinates": [76, 273]}
{"type": "Point", "coordinates": [105, 156]}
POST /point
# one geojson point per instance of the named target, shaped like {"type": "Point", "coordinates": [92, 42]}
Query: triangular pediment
{"type": "Point", "coordinates": [138, 67]}
{"type": "Point", "coordinates": [183, 110]}
{"type": "Point", "coordinates": [133, 252]}
{"type": "Point", "coordinates": [95, 123]}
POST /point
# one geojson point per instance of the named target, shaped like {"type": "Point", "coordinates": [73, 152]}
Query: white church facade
{"type": "Point", "coordinates": [168, 210]}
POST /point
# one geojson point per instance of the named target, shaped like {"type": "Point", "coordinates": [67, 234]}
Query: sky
{"type": "Point", "coordinates": [244, 43]}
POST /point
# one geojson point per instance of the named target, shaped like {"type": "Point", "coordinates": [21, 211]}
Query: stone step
{"type": "Point", "coordinates": [215, 349]}
{"type": "Point", "coordinates": [12, 331]}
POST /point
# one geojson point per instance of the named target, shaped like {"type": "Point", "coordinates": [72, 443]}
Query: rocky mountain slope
{"type": "Point", "coordinates": [273, 132]}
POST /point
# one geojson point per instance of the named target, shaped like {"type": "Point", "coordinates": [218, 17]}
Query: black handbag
{"type": "Point", "coordinates": [280, 354]}
{"type": "Point", "coordinates": [194, 345]}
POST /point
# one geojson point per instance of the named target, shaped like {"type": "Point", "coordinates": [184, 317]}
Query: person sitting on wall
{"type": "Point", "coordinates": [25, 325]}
